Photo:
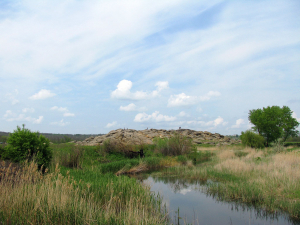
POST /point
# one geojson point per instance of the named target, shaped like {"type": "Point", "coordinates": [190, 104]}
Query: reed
{"type": "Point", "coordinates": [266, 178]}
{"type": "Point", "coordinates": [29, 197]}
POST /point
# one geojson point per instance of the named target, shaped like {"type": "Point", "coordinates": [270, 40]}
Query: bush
{"type": "Point", "coordinates": [26, 145]}
{"type": "Point", "coordinates": [251, 139]}
{"type": "Point", "coordinates": [173, 146]}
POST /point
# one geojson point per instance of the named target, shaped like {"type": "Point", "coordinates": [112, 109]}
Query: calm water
{"type": "Point", "coordinates": [196, 207]}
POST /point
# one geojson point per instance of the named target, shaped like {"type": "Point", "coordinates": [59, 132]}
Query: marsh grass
{"type": "Point", "coordinates": [68, 155]}
{"type": "Point", "coordinates": [74, 197]}
{"type": "Point", "coordinates": [267, 178]}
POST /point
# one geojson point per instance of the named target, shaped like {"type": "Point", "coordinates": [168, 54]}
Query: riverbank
{"type": "Point", "coordinates": [265, 178]}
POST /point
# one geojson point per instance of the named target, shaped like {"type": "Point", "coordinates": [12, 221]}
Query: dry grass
{"type": "Point", "coordinates": [28, 197]}
{"type": "Point", "coordinates": [268, 178]}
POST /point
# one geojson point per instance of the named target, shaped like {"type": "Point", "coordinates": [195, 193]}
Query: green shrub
{"type": "Point", "coordinates": [182, 159]}
{"type": "Point", "coordinates": [251, 139]}
{"type": "Point", "coordinates": [26, 145]}
{"type": "Point", "coordinates": [173, 146]}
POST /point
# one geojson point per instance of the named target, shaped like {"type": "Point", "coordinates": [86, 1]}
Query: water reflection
{"type": "Point", "coordinates": [197, 206]}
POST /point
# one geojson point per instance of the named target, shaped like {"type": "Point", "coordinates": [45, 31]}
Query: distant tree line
{"type": "Point", "coordinates": [55, 138]}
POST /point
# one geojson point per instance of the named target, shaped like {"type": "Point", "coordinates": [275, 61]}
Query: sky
{"type": "Point", "coordinates": [88, 67]}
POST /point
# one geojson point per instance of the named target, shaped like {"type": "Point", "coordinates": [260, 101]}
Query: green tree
{"type": "Point", "coordinates": [26, 145]}
{"type": "Point", "coordinates": [273, 123]}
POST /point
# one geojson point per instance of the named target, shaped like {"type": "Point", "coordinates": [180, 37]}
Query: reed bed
{"type": "Point", "coordinates": [29, 197]}
{"type": "Point", "coordinates": [265, 178]}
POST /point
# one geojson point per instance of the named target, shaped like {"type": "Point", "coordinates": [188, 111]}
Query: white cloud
{"type": "Point", "coordinates": [60, 123]}
{"type": "Point", "coordinates": [12, 97]}
{"type": "Point", "coordinates": [60, 109]}
{"type": "Point", "coordinates": [181, 100]}
{"type": "Point", "coordinates": [132, 107]}
{"type": "Point", "coordinates": [213, 123]}
{"type": "Point", "coordinates": [238, 123]}
{"type": "Point", "coordinates": [209, 95]}
{"type": "Point", "coordinates": [38, 121]}
{"type": "Point", "coordinates": [67, 114]}
{"type": "Point", "coordinates": [30, 110]}
{"type": "Point", "coordinates": [42, 94]}
{"type": "Point", "coordinates": [10, 116]}
{"type": "Point", "coordinates": [156, 117]}
{"type": "Point", "coordinates": [183, 114]}
{"type": "Point", "coordinates": [294, 115]}
{"type": "Point", "coordinates": [184, 191]}
{"type": "Point", "coordinates": [185, 100]}
{"type": "Point", "coordinates": [109, 125]}
{"type": "Point", "coordinates": [65, 111]}
{"type": "Point", "coordinates": [124, 87]}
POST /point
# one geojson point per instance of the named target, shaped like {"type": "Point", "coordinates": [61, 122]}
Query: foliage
{"type": "Point", "coordinates": [173, 146]}
{"type": "Point", "coordinates": [3, 139]}
{"type": "Point", "coordinates": [26, 145]}
{"type": "Point", "coordinates": [251, 139]}
{"type": "Point", "coordinates": [274, 122]}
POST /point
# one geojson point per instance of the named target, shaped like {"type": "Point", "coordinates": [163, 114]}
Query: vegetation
{"type": "Point", "coordinates": [251, 139]}
{"type": "Point", "coordinates": [267, 178]}
{"type": "Point", "coordinates": [84, 184]}
{"type": "Point", "coordinates": [173, 146]}
{"type": "Point", "coordinates": [274, 123]}
{"type": "Point", "coordinates": [26, 145]}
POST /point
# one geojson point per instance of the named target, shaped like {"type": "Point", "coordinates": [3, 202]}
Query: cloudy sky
{"type": "Point", "coordinates": [87, 67]}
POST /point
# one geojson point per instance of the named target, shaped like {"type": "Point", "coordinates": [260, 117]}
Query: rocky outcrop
{"type": "Point", "coordinates": [136, 137]}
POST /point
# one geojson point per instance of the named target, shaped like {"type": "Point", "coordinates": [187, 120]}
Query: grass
{"type": "Point", "coordinates": [85, 194]}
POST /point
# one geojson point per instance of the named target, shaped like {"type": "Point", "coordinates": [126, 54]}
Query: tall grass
{"type": "Point", "coordinates": [174, 146]}
{"type": "Point", "coordinates": [267, 178]}
{"type": "Point", "coordinates": [28, 197]}
{"type": "Point", "coordinates": [68, 155]}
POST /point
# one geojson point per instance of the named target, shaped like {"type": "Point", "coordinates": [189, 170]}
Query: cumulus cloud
{"type": "Point", "coordinates": [42, 94]}
{"type": "Point", "coordinates": [186, 100]}
{"type": "Point", "coordinates": [238, 123]}
{"type": "Point", "coordinates": [156, 117]}
{"type": "Point", "coordinates": [123, 91]}
{"type": "Point", "coordinates": [10, 116]}
{"type": "Point", "coordinates": [65, 111]}
{"type": "Point", "coordinates": [60, 123]}
{"type": "Point", "coordinates": [181, 100]}
{"type": "Point", "coordinates": [109, 125]}
{"type": "Point", "coordinates": [132, 107]}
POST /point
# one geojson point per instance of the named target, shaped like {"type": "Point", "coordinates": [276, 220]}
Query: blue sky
{"type": "Point", "coordinates": [87, 67]}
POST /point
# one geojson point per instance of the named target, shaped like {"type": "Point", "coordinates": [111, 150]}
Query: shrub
{"type": "Point", "coordinates": [175, 145]}
{"type": "Point", "coordinates": [251, 139]}
{"type": "Point", "coordinates": [26, 145]}
{"type": "Point", "coordinates": [182, 159]}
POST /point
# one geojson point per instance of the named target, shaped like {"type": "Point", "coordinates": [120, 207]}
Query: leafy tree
{"type": "Point", "coordinates": [26, 145]}
{"type": "Point", "coordinates": [273, 123]}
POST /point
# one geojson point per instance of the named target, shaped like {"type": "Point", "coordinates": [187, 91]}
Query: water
{"type": "Point", "coordinates": [197, 207]}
